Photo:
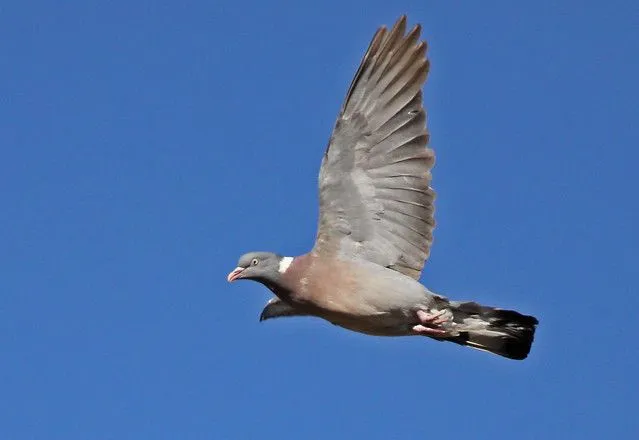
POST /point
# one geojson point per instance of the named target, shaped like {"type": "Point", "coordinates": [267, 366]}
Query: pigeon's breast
{"type": "Point", "coordinates": [361, 296]}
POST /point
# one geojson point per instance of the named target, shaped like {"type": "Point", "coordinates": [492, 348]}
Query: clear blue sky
{"type": "Point", "coordinates": [146, 145]}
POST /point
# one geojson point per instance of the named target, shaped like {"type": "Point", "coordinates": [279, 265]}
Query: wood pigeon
{"type": "Point", "coordinates": [376, 220]}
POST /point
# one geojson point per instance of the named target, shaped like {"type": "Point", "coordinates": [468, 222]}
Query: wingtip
{"type": "Point", "coordinates": [400, 26]}
{"type": "Point", "coordinates": [400, 22]}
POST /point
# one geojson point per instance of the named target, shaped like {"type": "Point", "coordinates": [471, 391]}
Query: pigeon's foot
{"type": "Point", "coordinates": [431, 323]}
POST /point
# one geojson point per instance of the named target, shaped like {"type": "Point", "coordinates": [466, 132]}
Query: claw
{"type": "Point", "coordinates": [435, 318]}
{"type": "Point", "coordinates": [428, 330]}
{"type": "Point", "coordinates": [430, 323]}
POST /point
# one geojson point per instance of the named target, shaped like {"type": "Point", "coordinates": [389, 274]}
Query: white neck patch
{"type": "Point", "coordinates": [284, 264]}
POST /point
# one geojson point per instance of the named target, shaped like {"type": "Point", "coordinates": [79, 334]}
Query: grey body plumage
{"type": "Point", "coordinates": [377, 218]}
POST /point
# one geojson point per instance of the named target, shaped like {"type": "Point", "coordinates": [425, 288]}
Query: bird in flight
{"type": "Point", "coordinates": [376, 220]}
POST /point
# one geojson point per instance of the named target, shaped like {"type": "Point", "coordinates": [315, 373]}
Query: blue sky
{"type": "Point", "coordinates": [146, 145]}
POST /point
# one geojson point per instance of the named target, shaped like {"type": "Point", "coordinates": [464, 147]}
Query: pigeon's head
{"type": "Point", "coordinates": [265, 267]}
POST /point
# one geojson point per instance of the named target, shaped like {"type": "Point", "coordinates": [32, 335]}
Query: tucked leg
{"type": "Point", "coordinates": [431, 323]}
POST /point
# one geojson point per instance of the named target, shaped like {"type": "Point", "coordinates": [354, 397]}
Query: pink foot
{"type": "Point", "coordinates": [430, 323]}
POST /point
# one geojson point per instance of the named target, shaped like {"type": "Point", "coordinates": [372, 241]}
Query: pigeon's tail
{"type": "Point", "coordinates": [503, 332]}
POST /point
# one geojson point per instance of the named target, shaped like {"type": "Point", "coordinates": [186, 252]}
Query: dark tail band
{"type": "Point", "coordinates": [503, 332]}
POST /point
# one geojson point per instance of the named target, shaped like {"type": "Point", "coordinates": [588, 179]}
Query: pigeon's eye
{"type": "Point", "coordinates": [254, 262]}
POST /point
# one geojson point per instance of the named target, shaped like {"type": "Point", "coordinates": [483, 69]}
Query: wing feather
{"type": "Point", "coordinates": [376, 202]}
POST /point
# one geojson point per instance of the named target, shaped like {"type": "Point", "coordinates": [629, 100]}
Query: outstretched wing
{"type": "Point", "coordinates": [375, 197]}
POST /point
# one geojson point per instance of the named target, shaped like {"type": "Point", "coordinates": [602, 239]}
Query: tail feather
{"type": "Point", "coordinates": [503, 332]}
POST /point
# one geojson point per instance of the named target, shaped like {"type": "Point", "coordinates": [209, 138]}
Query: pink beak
{"type": "Point", "coordinates": [235, 273]}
